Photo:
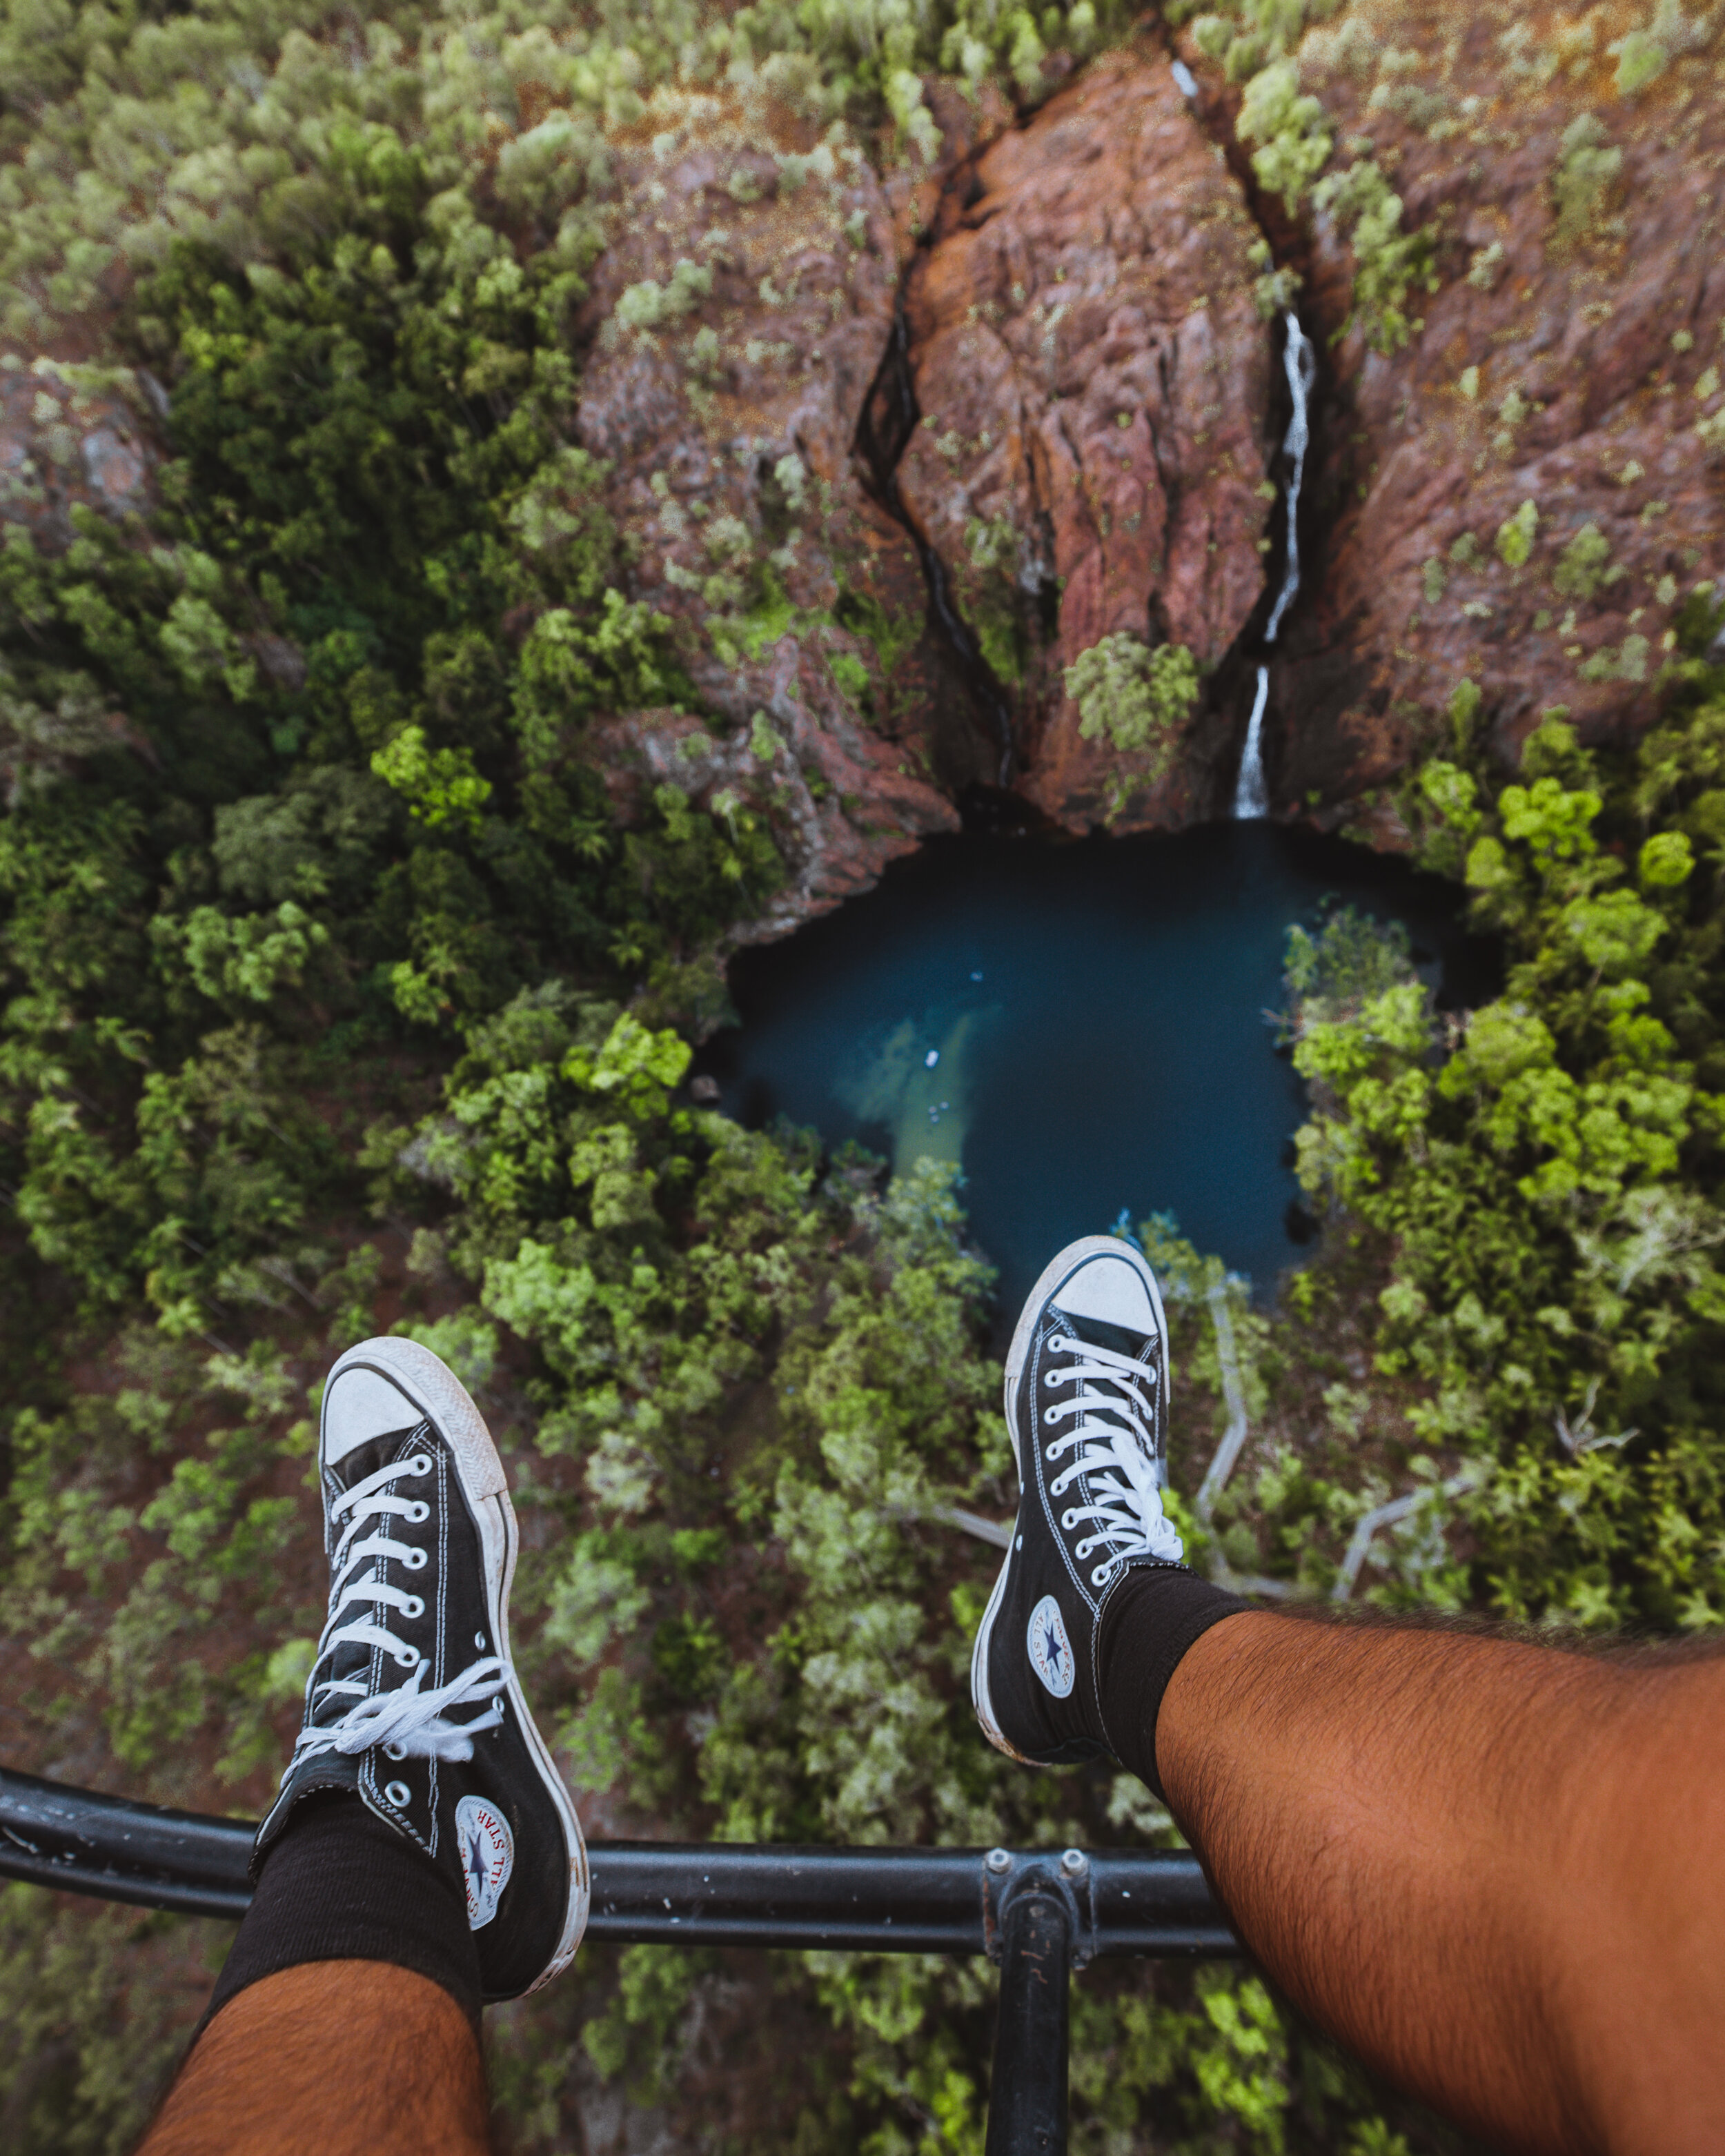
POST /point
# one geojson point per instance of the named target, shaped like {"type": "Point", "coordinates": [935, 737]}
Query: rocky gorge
{"type": "Point", "coordinates": [896, 433]}
{"type": "Point", "coordinates": [1085, 418]}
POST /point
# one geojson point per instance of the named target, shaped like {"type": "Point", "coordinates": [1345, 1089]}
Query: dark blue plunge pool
{"type": "Point", "coordinates": [1079, 1024]}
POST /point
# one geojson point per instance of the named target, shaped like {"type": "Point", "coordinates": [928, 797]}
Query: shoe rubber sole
{"type": "Point", "coordinates": [980, 1698]}
{"type": "Point", "coordinates": [1017, 1355]}
{"type": "Point", "coordinates": [442, 1399]}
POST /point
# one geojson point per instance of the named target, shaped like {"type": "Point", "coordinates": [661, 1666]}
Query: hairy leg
{"type": "Point", "coordinates": [1494, 1871]}
{"type": "Point", "coordinates": [346, 2058]}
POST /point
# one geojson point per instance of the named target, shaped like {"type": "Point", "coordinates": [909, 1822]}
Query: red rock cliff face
{"type": "Point", "coordinates": [1570, 358]}
{"type": "Point", "coordinates": [1522, 493]}
{"type": "Point", "coordinates": [737, 322]}
{"type": "Point", "coordinates": [1093, 376]}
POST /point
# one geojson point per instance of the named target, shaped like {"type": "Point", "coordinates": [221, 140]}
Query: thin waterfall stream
{"type": "Point", "coordinates": [1251, 797]}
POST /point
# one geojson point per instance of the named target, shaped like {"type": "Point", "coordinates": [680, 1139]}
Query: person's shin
{"type": "Point", "coordinates": [347, 2058]}
{"type": "Point", "coordinates": [1152, 1617]}
{"type": "Point", "coordinates": [341, 1885]}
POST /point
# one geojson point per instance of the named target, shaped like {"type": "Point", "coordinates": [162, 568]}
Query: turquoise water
{"type": "Point", "coordinates": [1078, 1024]}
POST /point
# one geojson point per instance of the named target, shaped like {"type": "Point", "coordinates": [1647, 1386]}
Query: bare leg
{"type": "Point", "coordinates": [1494, 1871]}
{"type": "Point", "coordinates": [345, 2058]}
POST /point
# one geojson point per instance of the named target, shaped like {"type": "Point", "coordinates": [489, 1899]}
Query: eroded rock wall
{"type": "Point", "coordinates": [1570, 358]}
{"type": "Point", "coordinates": [737, 322]}
{"type": "Point", "coordinates": [72, 436]}
{"type": "Point", "coordinates": [1093, 379]}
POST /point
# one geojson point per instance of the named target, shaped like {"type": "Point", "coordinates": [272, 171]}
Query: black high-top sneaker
{"type": "Point", "coordinates": [412, 1702]}
{"type": "Point", "coordinates": [1086, 1405]}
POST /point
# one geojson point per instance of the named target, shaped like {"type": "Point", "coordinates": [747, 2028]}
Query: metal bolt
{"type": "Point", "coordinates": [998, 1860]}
{"type": "Point", "coordinates": [1074, 1863]}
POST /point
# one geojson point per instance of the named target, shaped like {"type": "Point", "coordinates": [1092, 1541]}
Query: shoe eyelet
{"type": "Point", "coordinates": [419, 1512]}
{"type": "Point", "coordinates": [416, 1560]}
{"type": "Point", "coordinates": [1053, 1452]}
{"type": "Point", "coordinates": [420, 1464]}
{"type": "Point", "coordinates": [1069, 1520]}
{"type": "Point", "coordinates": [1101, 1575]}
{"type": "Point", "coordinates": [413, 1607]}
{"type": "Point", "coordinates": [1050, 1416]}
{"type": "Point", "coordinates": [397, 1752]}
{"type": "Point", "coordinates": [407, 1658]}
{"type": "Point", "coordinates": [400, 1794]}
{"type": "Point", "coordinates": [479, 1640]}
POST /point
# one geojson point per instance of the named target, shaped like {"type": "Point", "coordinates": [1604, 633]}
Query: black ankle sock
{"type": "Point", "coordinates": [341, 1885]}
{"type": "Point", "coordinates": [1151, 1618]}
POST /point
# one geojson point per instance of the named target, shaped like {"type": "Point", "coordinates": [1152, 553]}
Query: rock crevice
{"type": "Point", "coordinates": [1093, 381]}
{"type": "Point", "coordinates": [969, 740]}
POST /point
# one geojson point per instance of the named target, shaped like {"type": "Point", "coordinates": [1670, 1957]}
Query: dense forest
{"type": "Point", "coordinates": [346, 990]}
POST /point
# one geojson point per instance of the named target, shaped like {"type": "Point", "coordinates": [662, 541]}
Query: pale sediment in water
{"type": "Point", "coordinates": [921, 1095]}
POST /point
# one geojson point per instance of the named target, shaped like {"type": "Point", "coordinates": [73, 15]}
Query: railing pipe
{"type": "Point", "coordinates": [149, 1854]}
{"type": "Point", "coordinates": [1037, 1914]}
{"type": "Point", "coordinates": [700, 1893]}
{"type": "Point", "coordinates": [1027, 2096]}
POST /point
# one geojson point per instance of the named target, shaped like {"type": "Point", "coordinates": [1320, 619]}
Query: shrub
{"type": "Point", "coordinates": [1584, 565]}
{"type": "Point", "coordinates": [1389, 262]}
{"type": "Point", "coordinates": [439, 788]}
{"type": "Point", "coordinates": [1294, 144]}
{"type": "Point", "coordinates": [1487, 267]}
{"type": "Point", "coordinates": [1137, 699]}
{"type": "Point", "coordinates": [1353, 959]}
{"type": "Point", "coordinates": [1640, 59]}
{"type": "Point", "coordinates": [1515, 536]}
{"type": "Point", "coordinates": [648, 305]}
{"type": "Point", "coordinates": [1588, 163]}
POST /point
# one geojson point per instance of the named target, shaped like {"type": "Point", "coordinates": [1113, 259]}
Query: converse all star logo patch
{"type": "Point", "coordinates": [1050, 1650]}
{"type": "Point", "coordinates": [487, 1857]}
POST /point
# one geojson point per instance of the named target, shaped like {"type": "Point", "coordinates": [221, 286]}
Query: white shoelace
{"type": "Point", "coordinates": [1116, 1448]}
{"type": "Point", "coordinates": [409, 1723]}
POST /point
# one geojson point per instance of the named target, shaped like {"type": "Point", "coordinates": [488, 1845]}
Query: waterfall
{"type": "Point", "coordinates": [1300, 362]}
{"type": "Point", "coordinates": [1250, 795]}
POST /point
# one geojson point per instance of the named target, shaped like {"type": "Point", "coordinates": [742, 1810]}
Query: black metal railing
{"type": "Point", "coordinates": [1037, 1913]}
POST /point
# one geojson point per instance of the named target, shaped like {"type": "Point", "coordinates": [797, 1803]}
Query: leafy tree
{"type": "Point", "coordinates": [1551, 1190]}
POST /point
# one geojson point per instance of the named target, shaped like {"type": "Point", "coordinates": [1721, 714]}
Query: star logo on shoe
{"type": "Point", "coordinates": [1087, 1383]}
{"type": "Point", "coordinates": [1050, 1650]}
{"type": "Point", "coordinates": [413, 1703]}
{"type": "Point", "coordinates": [487, 1857]}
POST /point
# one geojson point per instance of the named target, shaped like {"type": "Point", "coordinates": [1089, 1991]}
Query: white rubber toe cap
{"type": "Point", "coordinates": [1109, 1290]}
